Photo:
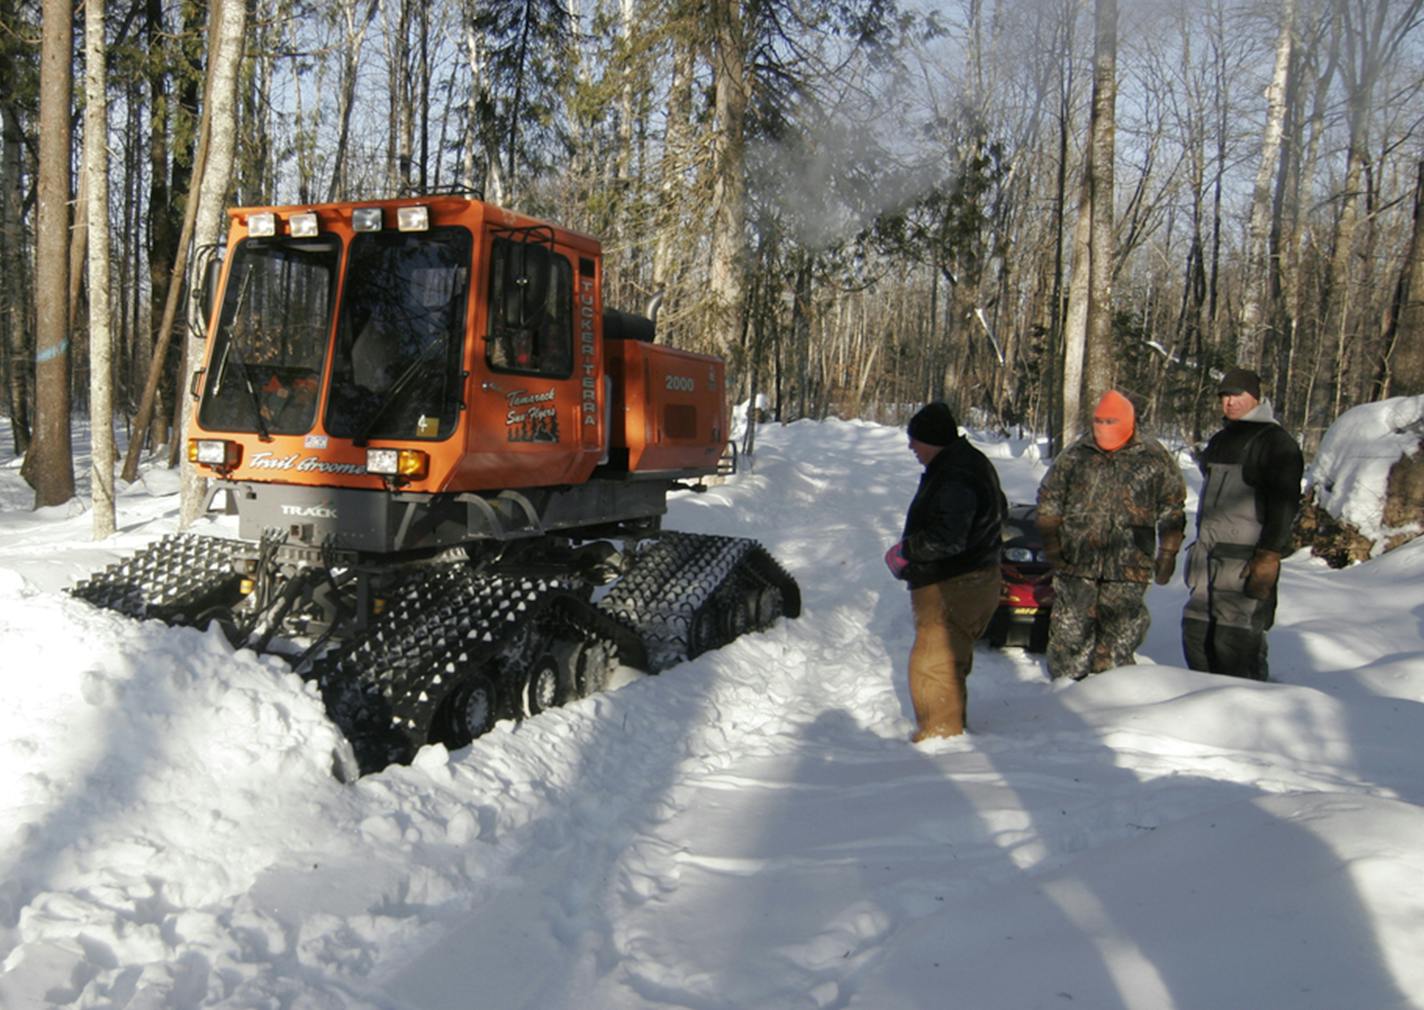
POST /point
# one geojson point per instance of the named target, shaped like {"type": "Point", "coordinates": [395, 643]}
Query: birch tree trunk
{"type": "Point", "coordinates": [1250, 341]}
{"type": "Point", "coordinates": [729, 199]}
{"type": "Point", "coordinates": [96, 167]}
{"type": "Point", "coordinates": [229, 24]}
{"type": "Point", "coordinates": [49, 465]}
{"type": "Point", "coordinates": [676, 155]}
{"type": "Point", "coordinates": [1075, 326]}
{"type": "Point", "coordinates": [1100, 359]}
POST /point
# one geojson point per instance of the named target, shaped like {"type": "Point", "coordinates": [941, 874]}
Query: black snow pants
{"type": "Point", "coordinates": [1223, 629]}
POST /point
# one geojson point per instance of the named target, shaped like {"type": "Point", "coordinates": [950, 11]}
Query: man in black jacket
{"type": "Point", "coordinates": [949, 557]}
{"type": "Point", "coordinates": [1252, 471]}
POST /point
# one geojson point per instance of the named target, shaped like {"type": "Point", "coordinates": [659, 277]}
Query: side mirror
{"type": "Point", "coordinates": [212, 271]}
{"type": "Point", "coordinates": [202, 284]}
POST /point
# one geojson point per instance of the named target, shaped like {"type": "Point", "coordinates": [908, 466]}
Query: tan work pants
{"type": "Point", "coordinates": [949, 617]}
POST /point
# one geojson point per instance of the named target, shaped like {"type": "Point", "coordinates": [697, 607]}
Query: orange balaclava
{"type": "Point", "coordinates": [1113, 421]}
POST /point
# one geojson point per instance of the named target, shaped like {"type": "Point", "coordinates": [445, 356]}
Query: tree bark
{"type": "Point", "coordinates": [1075, 325]}
{"type": "Point", "coordinates": [1250, 341]}
{"type": "Point", "coordinates": [1100, 357]}
{"type": "Point", "coordinates": [229, 24]}
{"type": "Point", "coordinates": [50, 463]}
{"type": "Point", "coordinates": [729, 253]}
{"type": "Point", "coordinates": [677, 145]}
{"type": "Point", "coordinates": [96, 167]}
{"type": "Point", "coordinates": [13, 268]}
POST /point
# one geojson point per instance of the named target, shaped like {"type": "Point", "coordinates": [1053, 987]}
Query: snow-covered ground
{"type": "Point", "coordinates": [748, 830]}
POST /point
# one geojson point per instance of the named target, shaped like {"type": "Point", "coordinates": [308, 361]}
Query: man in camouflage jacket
{"type": "Point", "coordinates": [1111, 513]}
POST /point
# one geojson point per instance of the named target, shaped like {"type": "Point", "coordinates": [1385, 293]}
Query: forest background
{"type": "Point", "coordinates": [1008, 204]}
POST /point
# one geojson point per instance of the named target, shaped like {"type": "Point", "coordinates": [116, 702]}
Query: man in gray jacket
{"type": "Point", "coordinates": [1252, 471]}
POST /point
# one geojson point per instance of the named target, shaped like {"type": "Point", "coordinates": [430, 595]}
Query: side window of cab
{"type": "Point", "coordinates": [531, 309]}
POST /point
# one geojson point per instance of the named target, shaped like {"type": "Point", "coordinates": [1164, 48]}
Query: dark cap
{"type": "Point", "coordinates": [1240, 380]}
{"type": "Point", "coordinates": [934, 424]}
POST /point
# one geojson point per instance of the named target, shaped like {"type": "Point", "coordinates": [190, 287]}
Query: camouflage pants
{"type": "Point", "coordinates": [1095, 625]}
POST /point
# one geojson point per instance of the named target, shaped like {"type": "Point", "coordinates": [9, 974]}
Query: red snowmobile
{"type": "Point", "coordinates": [1027, 600]}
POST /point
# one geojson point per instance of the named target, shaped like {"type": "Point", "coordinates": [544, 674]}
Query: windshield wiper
{"type": "Point", "coordinates": [397, 387]}
{"type": "Point", "coordinates": [235, 352]}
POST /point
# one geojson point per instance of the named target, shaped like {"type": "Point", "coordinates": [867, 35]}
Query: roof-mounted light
{"type": "Point", "coordinates": [262, 225]}
{"type": "Point", "coordinates": [415, 218]}
{"type": "Point", "coordinates": [367, 219]}
{"type": "Point", "coordinates": [302, 225]}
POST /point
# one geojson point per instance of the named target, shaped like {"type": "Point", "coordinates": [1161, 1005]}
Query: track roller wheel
{"type": "Point", "coordinates": [704, 631]}
{"type": "Point", "coordinates": [592, 665]}
{"type": "Point", "coordinates": [738, 614]}
{"type": "Point", "coordinates": [767, 606]}
{"type": "Point", "coordinates": [546, 686]}
{"type": "Point", "coordinates": [470, 711]}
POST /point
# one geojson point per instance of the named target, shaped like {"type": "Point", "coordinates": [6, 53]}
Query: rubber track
{"type": "Point", "coordinates": [385, 690]}
{"type": "Point", "coordinates": [174, 579]}
{"type": "Point", "coordinates": [681, 573]}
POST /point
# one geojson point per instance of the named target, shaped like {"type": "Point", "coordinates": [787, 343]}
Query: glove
{"type": "Point", "coordinates": [1262, 573]}
{"type": "Point", "coordinates": [1052, 544]}
{"type": "Point", "coordinates": [1168, 544]}
{"type": "Point", "coordinates": [896, 561]}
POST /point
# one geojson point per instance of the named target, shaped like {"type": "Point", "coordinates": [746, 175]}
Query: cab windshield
{"type": "Point", "coordinates": [396, 367]}
{"type": "Point", "coordinates": [271, 337]}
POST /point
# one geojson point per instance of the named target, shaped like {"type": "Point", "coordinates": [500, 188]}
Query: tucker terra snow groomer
{"type": "Point", "coordinates": [449, 462]}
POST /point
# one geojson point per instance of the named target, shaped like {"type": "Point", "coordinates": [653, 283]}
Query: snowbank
{"type": "Point", "coordinates": [749, 829]}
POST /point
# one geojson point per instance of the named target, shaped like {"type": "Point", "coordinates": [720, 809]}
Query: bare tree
{"type": "Point", "coordinates": [730, 47]}
{"type": "Point", "coordinates": [1088, 353]}
{"type": "Point", "coordinates": [1100, 354]}
{"type": "Point", "coordinates": [1373, 31]}
{"type": "Point", "coordinates": [227, 30]}
{"type": "Point", "coordinates": [355, 23]}
{"type": "Point", "coordinates": [1405, 375]}
{"type": "Point", "coordinates": [173, 291]}
{"type": "Point", "coordinates": [1250, 341]}
{"type": "Point", "coordinates": [1075, 325]}
{"type": "Point", "coordinates": [96, 168]}
{"type": "Point", "coordinates": [49, 466]}
{"type": "Point", "coordinates": [13, 266]}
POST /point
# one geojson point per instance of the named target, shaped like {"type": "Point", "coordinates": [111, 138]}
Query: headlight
{"type": "Point", "coordinates": [262, 225]}
{"type": "Point", "coordinates": [409, 463]}
{"type": "Point", "coordinates": [366, 219]}
{"type": "Point", "coordinates": [214, 452]}
{"type": "Point", "coordinates": [303, 225]}
{"type": "Point", "coordinates": [382, 461]}
{"type": "Point", "coordinates": [1018, 555]}
{"type": "Point", "coordinates": [415, 218]}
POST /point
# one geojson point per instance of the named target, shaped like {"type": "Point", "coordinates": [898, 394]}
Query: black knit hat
{"type": "Point", "coordinates": [934, 424]}
{"type": "Point", "coordinates": [1240, 380]}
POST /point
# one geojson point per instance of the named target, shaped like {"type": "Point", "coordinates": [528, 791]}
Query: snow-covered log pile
{"type": "Point", "coordinates": [1345, 517]}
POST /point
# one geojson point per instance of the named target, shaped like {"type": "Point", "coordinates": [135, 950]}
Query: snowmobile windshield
{"type": "Point", "coordinates": [396, 370]}
{"type": "Point", "coordinates": [271, 337]}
